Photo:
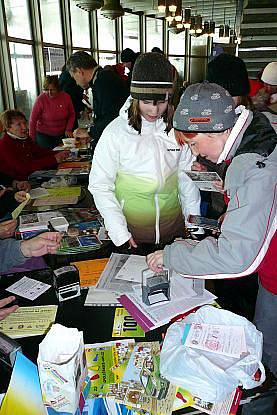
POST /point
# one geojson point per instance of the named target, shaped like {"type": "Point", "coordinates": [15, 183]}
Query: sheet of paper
{"type": "Point", "coordinates": [225, 340]}
{"type": "Point", "coordinates": [63, 172]}
{"type": "Point", "coordinates": [124, 325]}
{"type": "Point", "coordinates": [28, 288]}
{"type": "Point", "coordinates": [16, 212]}
{"type": "Point", "coordinates": [103, 234]}
{"type": "Point", "coordinates": [65, 191]}
{"type": "Point", "coordinates": [56, 200]}
{"type": "Point", "coordinates": [29, 321]}
{"type": "Point", "coordinates": [108, 280]}
{"type": "Point", "coordinates": [132, 269]}
{"type": "Point", "coordinates": [38, 192]}
{"type": "Point", "coordinates": [90, 271]}
{"type": "Point", "coordinates": [96, 297]}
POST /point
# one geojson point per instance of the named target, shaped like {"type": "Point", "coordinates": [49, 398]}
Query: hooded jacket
{"type": "Point", "coordinates": [134, 181]}
{"type": "Point", "coordinates": [248, 234]}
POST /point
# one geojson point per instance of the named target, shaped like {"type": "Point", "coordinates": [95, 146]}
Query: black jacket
{"type": "Point", "coordinates": [68, 84]}
{"type": "Point", "coordinates": [109, 94]}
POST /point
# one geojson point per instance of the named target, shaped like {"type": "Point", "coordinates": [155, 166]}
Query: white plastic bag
{"type": "Point", "coordinates": [207, 375]}
{"type": "Point", "coordinates": [62, 368]}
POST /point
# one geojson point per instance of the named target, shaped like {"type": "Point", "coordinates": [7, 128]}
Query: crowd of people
{"type": "Point", "coordinates": [142, 146]}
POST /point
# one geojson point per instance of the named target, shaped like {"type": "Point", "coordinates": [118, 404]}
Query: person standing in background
{"type": "Point", "coordinates": [52, 116]}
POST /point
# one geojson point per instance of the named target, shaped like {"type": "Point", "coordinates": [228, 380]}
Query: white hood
{"type": "Point", "coordinates": [233, 141]}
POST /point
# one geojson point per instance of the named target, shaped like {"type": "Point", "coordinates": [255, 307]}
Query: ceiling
{"type": "Point", "coordinates": [203, 7]}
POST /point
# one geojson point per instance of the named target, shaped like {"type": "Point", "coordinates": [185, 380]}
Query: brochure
{"type": "Point", "coordinates": [201, 221]}
{"type": "Point", "coordinates": [124, 325]}
{"type": "Point", "coordinates": [204, 179]}
{"type": "Point", "coordinates": [128, 373]}
{"type": "Point", "coordinates": [29, 321]}
{"type": "Point", "coordinates": [78, 244]}
{"type": "Point", "coordinates": [229, 406]}
{"type": "Point", "coordinates": [90, 271]}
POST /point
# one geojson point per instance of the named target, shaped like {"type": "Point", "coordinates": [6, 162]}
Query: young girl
{"type": "Point", "coordinates": [134, 176]}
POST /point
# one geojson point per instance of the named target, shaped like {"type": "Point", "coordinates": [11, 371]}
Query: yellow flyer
{"type": "Point", "coordinates": [16, 212]}
{"type": "Point", "coordinates": [124, 325]}
{"type": "Point", "coordinates": [90, 271]}
{"type": "Point", "coordinates": [29, 321]}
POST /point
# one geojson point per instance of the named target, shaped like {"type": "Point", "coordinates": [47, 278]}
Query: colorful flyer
{"type": "Point", "coordinates": [23, 396]}
{"type": "Point", "coordinates": [90, 271]}
{"type": "Point", "coordinates": [124, 325]}
{"type": "Point", "coordinates": [29, 321]}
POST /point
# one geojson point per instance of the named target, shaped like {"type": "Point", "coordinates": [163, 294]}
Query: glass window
{"type": "Point", "coordinates": [53, 60]}
{"type": "Point", "coordinates": [17, 16]}
{"type": "Point", "coordinates": [131, 32]}
{"type": "Point", "coordinates": [79, 19]}
{"type": "Point", "coordinates": [107, 59]}
{"type": "Point", "coordinates": [106, 33]}
{"type": "Point", "coordinates": [51, 21]}
{"type": "Point", "coordinates": [154, 33]}
{"type": "Point", "coordinates": [176, 43]}
{"type": "Point", "coordinates": [24, 79]}
{"type": "Point", "coordinates": [198, 62]}
{"type": "Point", "coordinates": [178, 63]}
{"type": "Point", "coordinates": [1, 103]}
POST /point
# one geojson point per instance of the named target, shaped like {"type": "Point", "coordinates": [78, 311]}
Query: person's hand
{"type": "Point", "coordinates": [20, 196]}
{"type": "Point", "coordinates": [155, 261]}
{"type": "Point", "coordinates": [132, 243]}
{"type": "Point", "coordinates": [4, 312]}
{"type": "Point", "coordinates": [3, 191]}
{"type": "Point", "coordinates": [81, 133]}
{"type": "Point", "coordinates": [21, 185]}
{"type": "Point", "coordinates": [198, 166]}
{"type": "Point", "coordinates": [69, 134]}
{"type": "Point", "coordinates": [218, 184]}
{"type": "Point", "coordinates": [7, 228]}
{"type": "Point", "coordinates": [62, 155]}
{"type": "Point", "coordinates": [45, 243]}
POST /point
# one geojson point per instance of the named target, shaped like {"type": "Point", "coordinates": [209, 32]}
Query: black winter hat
{"type": "Point", "coordinates": [230, 72]}
{"type": "Point", "coordinates": [152, 77]}
{"type": "Point", "coordinates": [128, 55]}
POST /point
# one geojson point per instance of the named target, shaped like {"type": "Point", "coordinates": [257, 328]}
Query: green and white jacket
{"type": "Point", "coordinates": [134, 181]}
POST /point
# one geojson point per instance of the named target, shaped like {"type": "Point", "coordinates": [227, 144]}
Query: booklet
{"type": "Point", "coordinates": [129, 373]}
{"type": "Point", "coordinates": [124, 325]}
{"type": "Point", "coordinates": [204, 179]}
{"type": "Point", "coordinates": [229, 406]}
{"type": "Point", "coordinates": [203, 222]}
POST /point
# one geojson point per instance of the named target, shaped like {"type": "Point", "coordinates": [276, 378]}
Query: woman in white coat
{"type": "Point", "coordinates": [134, 175]}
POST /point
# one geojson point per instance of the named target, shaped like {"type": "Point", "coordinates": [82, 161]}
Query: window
{"type": "Point", "coordinates": [198, 60]}
{"type": "Point", "coordinates": [131, 32]}
{"type": "Point", "coordinates": [79, 20]}
{"type": "Point", "coordinates": [17, 15]}
{"type": "Point", "coordinates": [178, 62]}
{"type": "Point", "coordinates": [54, 60]}
{"type": "Point", "coordinates": [106, 33]}
{"type": "Point", "coordinates": [107, 59]}
{"type": "Point", "coordinates": [154, 33]}
{"type": "Point", "coordinates": [176, 43]}
{"type": "Point", "coordinates": [23, 76]}
{"type": "Point", "coordinates": [51, 21]}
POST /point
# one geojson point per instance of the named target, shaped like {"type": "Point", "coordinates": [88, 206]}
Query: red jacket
{"type": "Point", "coordinates": [20, 158]}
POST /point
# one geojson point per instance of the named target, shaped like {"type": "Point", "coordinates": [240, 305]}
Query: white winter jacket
{"type": "Point", "coordinates": [134, 181]}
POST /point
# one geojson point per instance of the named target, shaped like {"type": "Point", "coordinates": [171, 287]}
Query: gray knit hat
{"type": "Point", "coordinates": [152, 77]}
{"type": "Point", "coordinates": [205, 108]}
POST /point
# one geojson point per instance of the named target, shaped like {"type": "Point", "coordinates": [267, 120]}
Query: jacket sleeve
{"type": "Point", "coordinates": [71, 114]}
{"type": "Point", "coordinates": [188, 191]}
{"type": "Point", "coordinates": [102, 186]}
{"type": "Point", "coordinates": [10, 254]}
{"type": "Point", "coordinates": [35, 116]}
{"type": "Point", "coordinates": [43, 158]}
{"type": "Point", "coordinates": [248, 227]}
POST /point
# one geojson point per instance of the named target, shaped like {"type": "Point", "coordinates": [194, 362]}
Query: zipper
{"type": "Point", "coordinates": [160, 183]}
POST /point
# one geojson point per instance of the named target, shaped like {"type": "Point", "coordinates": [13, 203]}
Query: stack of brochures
{"type": "Point", "coordinates": [129, 373]}
{"type": "Point", "coordinates": [78, 244]}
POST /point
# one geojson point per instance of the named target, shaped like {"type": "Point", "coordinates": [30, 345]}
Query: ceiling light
{"type": "Point", "coordinates": [172, 6]}
{"type": "Point", "coordinates": [112, 9]}
{"type": "Point", "coordinates": [89, 5]}
{"type": "Point", "coordinates": [161, 6]}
